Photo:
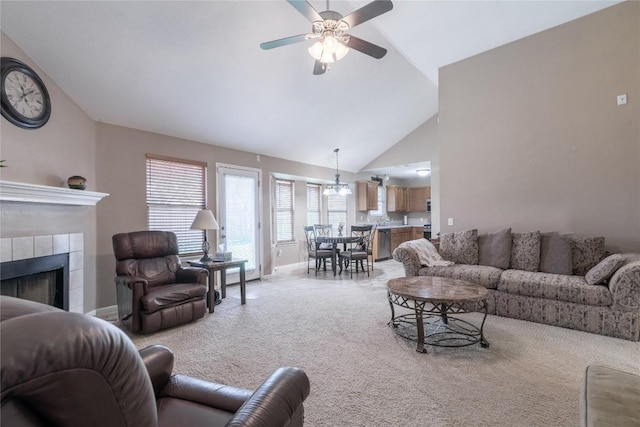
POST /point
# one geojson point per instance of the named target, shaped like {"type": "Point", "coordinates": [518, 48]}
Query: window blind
{"type": "Point", "coordinates": [284, 211]}
{"type": "Point", "coordinates": [337, 210]}
{"type": "Point", "coordinates": [314, 203]}
{"type": "Point", "coordinates": [176, 191]}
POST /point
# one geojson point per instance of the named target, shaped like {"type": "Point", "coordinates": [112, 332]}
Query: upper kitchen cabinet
{"type": "Point", "coordinates": [367, 195]}
{"type": "Point", "coordinates": [417, 198]}
{"type": "Point", "coordinates": [396, 198]}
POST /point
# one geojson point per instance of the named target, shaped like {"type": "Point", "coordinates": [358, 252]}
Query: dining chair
{"type": "Point", "coordinates": [324, 230]}
{"type": "Point", "coordinates": [370, 245]}
{"type": "Point", "coordinates": [313, 251]}
{"type": "Point", "coordinates": [359, 251]}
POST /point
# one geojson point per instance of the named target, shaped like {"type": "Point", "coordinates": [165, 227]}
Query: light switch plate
{"type": "Point", "coordinates": [450, 221]}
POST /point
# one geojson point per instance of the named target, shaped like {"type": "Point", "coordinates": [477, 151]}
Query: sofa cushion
{"type": "Point", "coordinates": [460, 247]}
{"type": "Point", "coordinates": [494, 249]}
{"type": "Point", "coordinates": [604, 270]}
{"type": "Point", "coordinates": [555, 254]}
{"type": "Point", "coordinates": [525, 251]}
{"type": "Point", "coordinates": [586, 253]}
{"type": "Point", "coordinates": [481, 274]}
{"type": "Point", "coordinates": [554, 286]}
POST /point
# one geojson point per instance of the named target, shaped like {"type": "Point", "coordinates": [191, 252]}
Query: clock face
{"type": "Point", "coordinates": [24, 94]}
{"type": "Point", "coordinates": [25, 100]}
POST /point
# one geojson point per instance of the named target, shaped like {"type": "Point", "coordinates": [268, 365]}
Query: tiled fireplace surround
{"type": "Point", "coordinates": [19, 248]}
{"type": "Point", "coordinates": [26, 247]}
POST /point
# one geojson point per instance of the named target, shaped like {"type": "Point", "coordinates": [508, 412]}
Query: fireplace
{"type": "Point", "coordinates": [42, 279]}
{"type": "Point", "coordinates": [17, 252]}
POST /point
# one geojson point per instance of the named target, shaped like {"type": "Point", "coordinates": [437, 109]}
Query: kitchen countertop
{"type": "Point", "coordinates": [388, 227]}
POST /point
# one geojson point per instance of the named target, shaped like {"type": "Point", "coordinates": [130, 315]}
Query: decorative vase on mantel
{"type": "Point", "coordinates": [77, 182]}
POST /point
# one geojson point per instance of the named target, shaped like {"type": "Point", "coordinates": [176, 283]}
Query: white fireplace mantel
{"type": "Point", "coordinates": [33, 193]}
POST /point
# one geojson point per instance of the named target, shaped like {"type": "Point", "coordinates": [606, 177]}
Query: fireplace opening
{"type": "Point", "coordinates": [43, 279]}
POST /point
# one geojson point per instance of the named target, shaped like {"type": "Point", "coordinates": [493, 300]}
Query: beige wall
{"type": "Point", "coordinates": [63, 147]}
{"type": "Point", "coordinates": [121, 172]}
{"type": "Point", "coordinates": [531, 137]}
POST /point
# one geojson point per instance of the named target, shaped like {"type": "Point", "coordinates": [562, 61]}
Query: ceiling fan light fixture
{"type": "Point", "coordinates": [328, 50]}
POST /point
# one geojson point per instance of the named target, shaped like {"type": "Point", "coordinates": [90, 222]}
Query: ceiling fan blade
{"type": "Point", "coordinates": [283, 42]}
{"type": "Point", "coordinates": [366, 47]}
{"type": "Point", "coordinates": [319, 68]}
{"type": "Point", "coordinates": [306, 10]}
{"type": "Point", "coordinates": [367, 12]}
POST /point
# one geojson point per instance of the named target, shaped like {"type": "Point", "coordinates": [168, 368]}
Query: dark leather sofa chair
{"type": "Point", "coordinates": [73, 370]}
{"type": "Point", "coordinates": [153, 290]}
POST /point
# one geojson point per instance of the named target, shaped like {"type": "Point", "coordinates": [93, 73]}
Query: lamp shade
{"type": "Point", "coordinates": [205, 221]}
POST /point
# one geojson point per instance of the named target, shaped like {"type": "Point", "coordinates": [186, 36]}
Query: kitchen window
{"type": "Point", "coordinates": [337, 210]}
{"type": "Point", "coordinates": [176, 191]}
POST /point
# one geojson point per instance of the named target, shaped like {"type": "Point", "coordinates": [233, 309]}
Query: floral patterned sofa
{"type": "Point", "coordinates": [562, 280]}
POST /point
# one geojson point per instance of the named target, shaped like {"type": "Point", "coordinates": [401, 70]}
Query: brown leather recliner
{"type": "Point", "coordinates": [69, 370]}
{"type": "Point", "coordinates": [153, 290]}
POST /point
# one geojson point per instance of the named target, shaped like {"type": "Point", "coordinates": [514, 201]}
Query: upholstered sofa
{"type": "Point", "coordinates": [561, 280]}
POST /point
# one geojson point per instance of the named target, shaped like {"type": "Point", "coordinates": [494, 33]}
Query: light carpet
{"type": "Point", "coordinates": [362, 374]}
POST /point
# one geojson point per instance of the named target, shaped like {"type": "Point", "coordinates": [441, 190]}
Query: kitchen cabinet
{"type": "Point", "coordinates": [417, 233]}
{"type": "Point", "coordinates": [367, 197]}
{"type": "Point", "coordinates": [396, 198]}
{"type": "Point", "coordinates": [417, 199]}
{"type": "Point", "coordinates": [400, 235]}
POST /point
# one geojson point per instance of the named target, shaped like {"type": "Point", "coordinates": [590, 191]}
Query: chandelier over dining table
{"type": "Point", "coordinates": [338, 188]}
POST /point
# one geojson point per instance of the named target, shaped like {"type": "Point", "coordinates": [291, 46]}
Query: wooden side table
{"type": "Point", "coordinates": [222, 267]}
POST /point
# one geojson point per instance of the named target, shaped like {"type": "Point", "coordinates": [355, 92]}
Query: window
{"type": "Point", "coordinates": [382, 203]}
{"type": "Point", "coordinates": [314, 203]}
{"type": "Point", "coordinates": [284, 211]}
{"type": "Point", "coordinates": [176, 191]}
{"type": "Point", "coordinates": [337, 210]}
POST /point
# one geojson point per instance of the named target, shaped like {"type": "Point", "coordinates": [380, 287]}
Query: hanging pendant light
{"type": "Point", "coordinates": [337, 188]}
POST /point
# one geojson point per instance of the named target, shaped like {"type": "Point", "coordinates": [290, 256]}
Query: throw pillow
{"type": "Point", "coordinates": [586, 253]}
{"type": "Point", "coordinates": [460, 247]}
{"type": "Point", "coordinates": [604, 270]}
{"type": "Point", "coordinates": [494, 249]}
{"type": "Point", "coordinates": [555, 254]}
{"type": "Point", "coordinates": [525, 251]}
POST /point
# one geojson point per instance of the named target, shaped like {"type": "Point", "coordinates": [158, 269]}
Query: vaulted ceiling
{"type": "Point", "coordinates": [194, 69]}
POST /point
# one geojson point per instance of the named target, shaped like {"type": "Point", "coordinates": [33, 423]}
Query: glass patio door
{"type": "Point", "coordinates": [239, 216]}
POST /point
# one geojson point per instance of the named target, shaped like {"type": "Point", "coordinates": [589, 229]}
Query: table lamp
{"type": "Point", "coordinates": [205, 221]}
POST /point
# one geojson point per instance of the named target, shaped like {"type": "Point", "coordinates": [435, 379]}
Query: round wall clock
{"type": "Point", "coordinates": [24, 98]}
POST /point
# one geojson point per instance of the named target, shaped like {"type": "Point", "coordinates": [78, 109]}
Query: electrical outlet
{"type": "Point", "coordinates": [450, 221]}
{"type": "Point", "coordinates": [622, 99]}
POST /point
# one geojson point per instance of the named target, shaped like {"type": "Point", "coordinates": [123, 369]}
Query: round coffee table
{"type": "Point", "coordinates": [434, 302]}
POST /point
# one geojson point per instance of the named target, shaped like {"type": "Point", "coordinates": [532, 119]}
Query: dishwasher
{"type": "Point", "coordinates": [384, 244]}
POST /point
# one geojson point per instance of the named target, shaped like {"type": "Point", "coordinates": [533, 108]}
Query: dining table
{"type": "Point", "coordinates": [335, 240]}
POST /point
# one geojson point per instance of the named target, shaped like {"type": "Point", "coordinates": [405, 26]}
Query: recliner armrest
{"type": "Point", "coordinates": [158, 360]}
{"type": "Point", "coordinates": [192, 275]}
{"type": "Point", "coordinates": [276, 402]}
{"type": "Point", "coordinates": [207, 393]}
{"type": "Point", "coordinates": [130, 282]}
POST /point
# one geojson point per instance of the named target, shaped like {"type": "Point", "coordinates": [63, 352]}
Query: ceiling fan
{"type": "Point", "coordinates": [329, 29]}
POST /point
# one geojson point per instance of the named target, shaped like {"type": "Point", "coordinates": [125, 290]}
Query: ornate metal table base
{"type": "Point", "coordinates": [434, 324]}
